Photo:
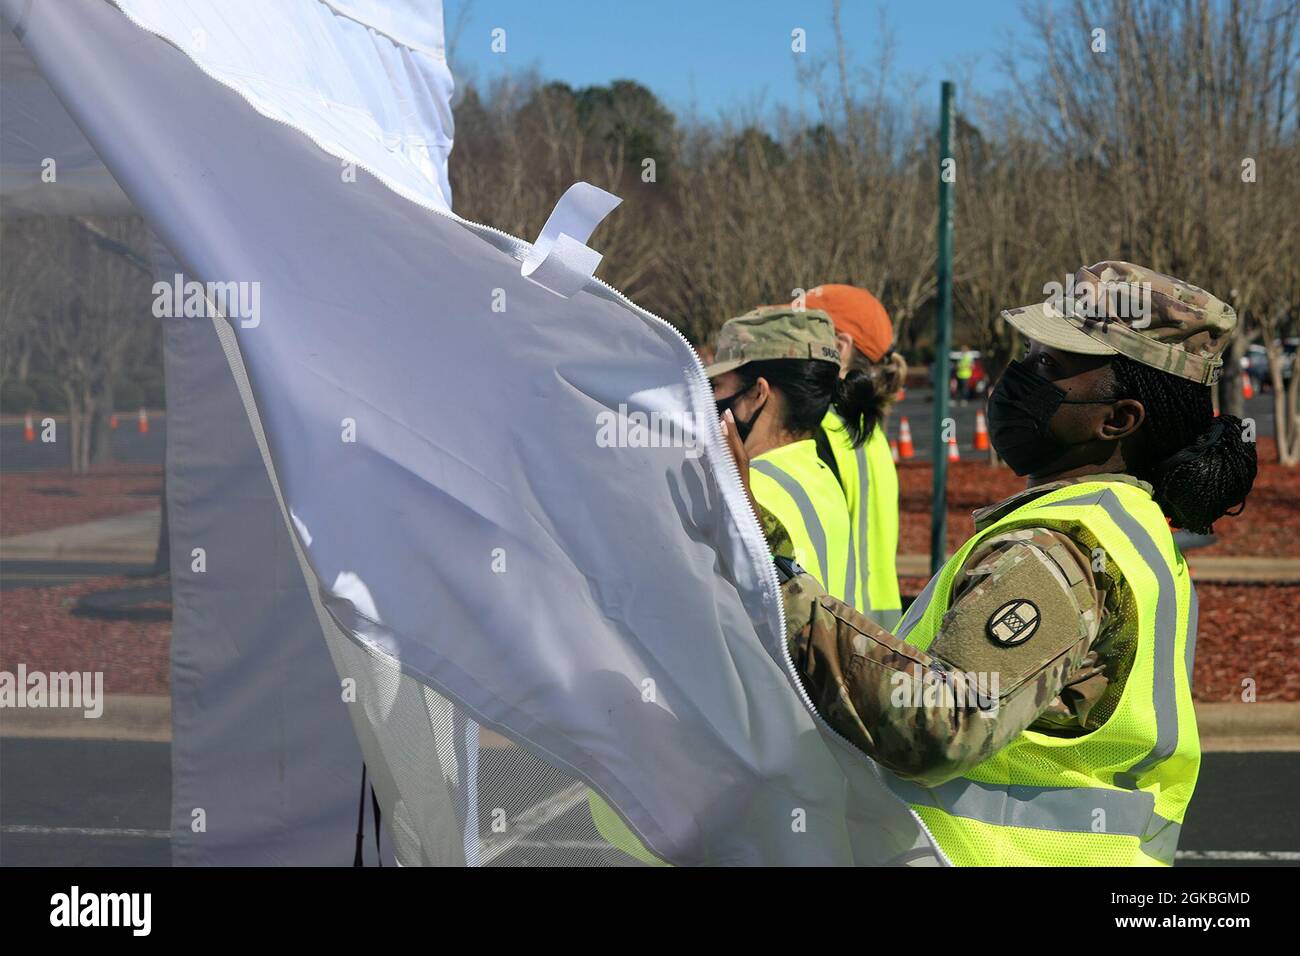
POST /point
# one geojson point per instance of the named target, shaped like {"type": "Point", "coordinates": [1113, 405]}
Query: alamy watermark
{"type": "Point", "coordinates": [624, 429]}
{"type": "Point", "coordinates": [919, 687]}
{"type": "Point", "coordinates": [74, 908]}
{"type": "Point", "coordinates": [1128, 301]}
{"type": "Point", "coordinates": [199, 300]}
{"type": "Point", "coordinates": [68, 689]}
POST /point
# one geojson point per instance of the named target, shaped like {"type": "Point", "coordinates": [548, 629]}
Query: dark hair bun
{"type": "Point", "coordinates": [860, 403]}
{"type": "Point", "coordinates": [1219, 459]}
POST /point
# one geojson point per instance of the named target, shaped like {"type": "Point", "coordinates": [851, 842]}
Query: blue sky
{"type": "Point", "coordinates": [727, 55]}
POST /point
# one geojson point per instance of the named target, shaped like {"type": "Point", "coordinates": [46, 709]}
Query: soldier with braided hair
{"type": "Point", "coordinates": [1034, 703]}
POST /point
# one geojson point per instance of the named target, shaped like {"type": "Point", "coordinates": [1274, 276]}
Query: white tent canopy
{"type": "Point", "coordinates": [479, 556]}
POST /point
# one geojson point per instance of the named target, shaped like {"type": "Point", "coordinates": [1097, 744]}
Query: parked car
{"type": "Point", "coordinates": [1255, 364]}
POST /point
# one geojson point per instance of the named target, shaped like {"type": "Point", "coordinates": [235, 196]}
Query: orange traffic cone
{"type": "Point", "coordinates": [905, 449]}
{"type": "Point", "coordinates": [112, 420]}
{"type": "Point", "coordinates": [1247, 387]}
{"type": "Point", "coordinates": [893, 448]}
{"type": "Point", "coordinates": [981, 432]}
{"type": "Point", "coordinates": [29, 429]}
{"type": "Point", "coordinates": [902, 394]}
{"type": "Point", "coordinates": [142, 423]}
{"type": "Point", "coordinates": [953, 454]}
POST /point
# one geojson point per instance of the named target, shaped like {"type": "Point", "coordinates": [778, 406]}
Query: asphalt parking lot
{"type": "Point", "coordinates": [130, 446]}
{"type": "Point", "coordinates": [70, 802]}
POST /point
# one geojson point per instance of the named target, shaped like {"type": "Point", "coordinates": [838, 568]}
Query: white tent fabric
{"type": "Point", "coordinates": [610, 610]}
{"type": "Point", "coordinates": [366, 79]}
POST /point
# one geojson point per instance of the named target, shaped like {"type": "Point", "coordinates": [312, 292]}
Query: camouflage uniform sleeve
{"type": "Point", "coordinates": [778, 539]}
{"type": "Point", "coordinates": [1024, 616]}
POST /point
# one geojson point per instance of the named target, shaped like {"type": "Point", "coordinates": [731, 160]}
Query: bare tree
{"type": "Point", "coordinates": [1176, 127]}
{"type": "Point", "coordinates": [843, 194]}
{"type": "Point", "coordinates": [95, 296]}
{"type": "Point", "coordinates": [23, 268]}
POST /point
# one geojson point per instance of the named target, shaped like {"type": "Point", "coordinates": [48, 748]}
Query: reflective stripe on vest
{"type": "Point", "coordinates": [1163, 701]}
{"type": "Point", "coordinates": [873, 510]}
{"type": "Point", "coordinates": [1051, 808]}
{"type": "Point", "coordinates": [918, 608]}
{"type": "Point", "coordinates": [815, 531]}
{"type": "Point", "coordinates": [879, 500]}
{"type": "Point", "coordinates": [1018, 791]}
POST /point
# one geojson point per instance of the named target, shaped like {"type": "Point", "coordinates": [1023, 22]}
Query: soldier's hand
{"type": "Point", "coordinates": [737, 449]}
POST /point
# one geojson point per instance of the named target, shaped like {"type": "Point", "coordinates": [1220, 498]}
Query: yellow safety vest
{"type": "Point", "coordinates": [797, 487]}
{"type": "Point", "coordinates": [1112, 797]}
{"type": "Point", "coordinates": [612, 828]}
{"type": "Point", "coordinates": [867, 474]}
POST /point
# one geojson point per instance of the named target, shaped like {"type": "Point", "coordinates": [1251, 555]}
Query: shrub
{"type": "Point", "coordinates": [49, 394]}
{"type": "Point", "coordinates": [127, 396]}
{"type": "Point", "coordinates": [17, 398]}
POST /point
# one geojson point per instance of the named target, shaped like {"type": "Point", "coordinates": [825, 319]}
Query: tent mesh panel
{"type": "Point", "coordinates": [454, 794]}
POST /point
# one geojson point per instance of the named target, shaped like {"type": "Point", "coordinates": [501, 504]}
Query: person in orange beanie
{"type": "Point", "coordinates": [864, 333]}
{"type": "Point", "coordinates": [865, 337]}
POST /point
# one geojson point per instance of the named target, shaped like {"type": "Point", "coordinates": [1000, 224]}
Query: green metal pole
{"type": "Point", "coordinates": [943, 332]}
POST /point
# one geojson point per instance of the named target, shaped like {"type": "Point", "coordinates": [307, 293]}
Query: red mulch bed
{"type": "Point", "coordinates": [40, 631]}
{"type": "Point", "coordinates": [41, 500]}
{"type": "Point", "coordinates": [1270, 525]}
{"type": "Point", "coordinates": [1246, 631]}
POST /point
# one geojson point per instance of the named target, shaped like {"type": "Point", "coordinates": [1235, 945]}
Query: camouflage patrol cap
{"type": "Point", "coordinates": [1120, 308]}
{"type": "Point", "coordinates": [774, 332]}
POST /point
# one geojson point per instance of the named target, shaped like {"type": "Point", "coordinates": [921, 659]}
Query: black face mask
{"type": "Point", "coordinates": [1021, 407]}
{"type": "Point", "coordinates": [742, 428]}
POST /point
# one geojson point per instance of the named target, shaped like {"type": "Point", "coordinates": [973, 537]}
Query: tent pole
{"type": "Point", "coordinates": [943, 332]}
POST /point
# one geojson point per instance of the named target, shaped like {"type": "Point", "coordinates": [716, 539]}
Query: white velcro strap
{"type": "Point", "coordinates": [560, 261]}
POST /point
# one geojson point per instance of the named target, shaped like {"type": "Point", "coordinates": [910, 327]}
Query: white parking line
{"type": "Point", "coordinates": [533, 819]}
{"type": "Point", "coordinates": [1243, 855]}
{"type": "Point", "coordinates": [87, 831]}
